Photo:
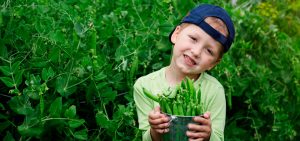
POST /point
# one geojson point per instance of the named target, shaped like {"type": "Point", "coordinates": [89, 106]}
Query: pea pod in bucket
{"type": "Point", "coordinates": [187, 101]}
{"type": "Point", "coordinates": [181, 109]}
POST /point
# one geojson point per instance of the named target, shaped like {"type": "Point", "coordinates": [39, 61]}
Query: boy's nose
{"type": "Point", "coordinates": [196, 51]}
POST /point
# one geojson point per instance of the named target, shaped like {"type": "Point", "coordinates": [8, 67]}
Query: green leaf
{"type": "Point", "coordinates": [101, 85]}
{"type": "Point", "coordinates": [4, 125]}
{"type": "Point", "coordinates": [15, 66]}
{"type": "Point", "coordinates": [108, 94]}
{"type": "Point", "coordinates": [102, 120]}
{"type": "Point", "coordinates": [56, 107]}
{"type": "Point", "coordinates": [27, 130]}
{"type": "Point", "coordinates": [93, 39]}
{"type": "Point", "coordinates": [44, 74]}
{"type": "Point", "coordinates": [79, 29]}
{"type": "Point", "coordinates": [2, 107]}
{"type": "Point", "coordinates": [39, 62]}
{"type": "Point", "coordinates": [165, 28]}
{"type": "Point", "coordinates": [21, 105]}
{"type": "Point", "coordinates": [76, 123]}
{"type": "Point", "coordinates": [57, 36]}
{"type": "Point", "coordinates": [42, 104]}
{"type": "Point", "coordinates": [1, 19]}
{"type": "Point", "coordinates": [54, 54]}
{"type": "Point", "coordinates": [71, 112]}
{"type": "Point", "coordinates": [32, 93]}
{"type": "Point", "coordinates": [51, 73]}
{"type": "Point", "coordinates": [100, 76]}
{"type": "Point", "coordinates": [8, 137]}
{"type": "Point", "coordinates": [62, 86]}
{"type": "Point", "coordinates": [5, 70]}
{"type": "Point", "coordinates": [7, 81]}
{"type": "Point", "coordinates": [33, 81]}
{"type": "Point", "coordinates": [3, 116]}
{"type": "Point", "coordinates": [3, 49]}
{"type": "Point", "coordinates": [18, 77]}
{"type": "Point", "coordinates": [122, 112]}
{"type": "Point", "coordinates": [81, 135]}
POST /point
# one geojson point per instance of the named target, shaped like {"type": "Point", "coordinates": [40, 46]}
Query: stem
{"type": "Point", "coordinates": [103, 106]}
{"type": "Point", "coordinates": [137, 13]}
{"type": "Point", "coordinates": [69, 75]}
{"type": "Point", "coordinates": [5, 60]}
{"type": "Point", "coordinates": [79, 82]}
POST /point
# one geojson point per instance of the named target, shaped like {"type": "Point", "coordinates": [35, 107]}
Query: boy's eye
{"type": "Point", "coordinates": [209, 51]}
{"type": "Point", "coordinates": [193, 38]}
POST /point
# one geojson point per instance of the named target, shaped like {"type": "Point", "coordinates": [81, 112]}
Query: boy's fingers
{"type": "Point", "coordinates": [161, 126]}
{"type": "Point", "coordinates": [196, 136]}
{"type": "Point", "coordinates": [202, 120]}
{"type": "Point", "coordinates": [156, 115]}
{"type": "Point", "coordinates": [162, 131]}
{"type": "Point", "coordinates": [153, 115]}
{"type": "Point", "coordinates": [198, 128]}
{"type": "Point", "coordinates": [206, 115]}
{"type": "Point", "coordinates": [159, 120]}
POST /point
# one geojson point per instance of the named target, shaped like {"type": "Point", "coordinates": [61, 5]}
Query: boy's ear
{"type": "Point", "coordinates": [175, 34]}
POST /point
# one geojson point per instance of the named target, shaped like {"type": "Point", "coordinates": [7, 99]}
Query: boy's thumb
{"type": "Point", "coordinates": [157, 109]}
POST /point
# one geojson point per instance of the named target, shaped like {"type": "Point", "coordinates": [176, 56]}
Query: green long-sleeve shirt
{"type": "Point", "coordinates": [212, 95]}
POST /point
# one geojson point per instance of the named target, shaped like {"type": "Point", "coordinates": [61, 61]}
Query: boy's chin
{"type": "Point", "coordinates": [189, 71]}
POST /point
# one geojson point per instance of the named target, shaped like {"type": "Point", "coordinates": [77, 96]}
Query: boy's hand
{"type": "Point", "coordinates": [200, 132]}
{"type": "Point", "coordinates": [159, 122]}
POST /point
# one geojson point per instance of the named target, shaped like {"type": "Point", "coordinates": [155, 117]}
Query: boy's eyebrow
{"type": "Point", "coordinates": [196, 34]}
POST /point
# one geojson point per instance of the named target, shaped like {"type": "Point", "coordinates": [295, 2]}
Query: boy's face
{"type": "Point", "coordinates": [194, 50]}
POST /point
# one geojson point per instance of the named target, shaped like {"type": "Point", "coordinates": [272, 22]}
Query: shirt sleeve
{"type": "Point", "coordinates": [143, 105]}
{"type": "Point", "coordinates": [217, 107]}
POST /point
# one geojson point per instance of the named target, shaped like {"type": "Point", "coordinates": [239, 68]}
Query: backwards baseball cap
{"type": "Point", "coordinates": [197, 16]}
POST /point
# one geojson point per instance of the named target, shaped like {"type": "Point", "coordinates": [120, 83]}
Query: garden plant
{"type": "Point", "coordinates": [67, 67]}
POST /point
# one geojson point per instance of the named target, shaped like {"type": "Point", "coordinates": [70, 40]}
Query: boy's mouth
{"type": "Point", "coordinates": [190, 61]}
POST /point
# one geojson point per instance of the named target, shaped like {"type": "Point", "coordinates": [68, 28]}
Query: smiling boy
{"type": "Point", "coordinates": [200, 41]}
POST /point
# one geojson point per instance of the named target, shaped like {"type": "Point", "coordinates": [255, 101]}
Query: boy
{"type": "Point", "coordinates": [200, 41]}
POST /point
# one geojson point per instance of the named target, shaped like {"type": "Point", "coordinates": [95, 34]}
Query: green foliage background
{"type": "Point", "coordinates": [67, 67]}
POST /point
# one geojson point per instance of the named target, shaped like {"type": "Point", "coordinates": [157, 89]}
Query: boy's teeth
{"type": "Point", "coordinates": [190, 60]}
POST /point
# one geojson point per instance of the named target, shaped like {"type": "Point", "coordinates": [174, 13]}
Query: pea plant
{"type": "Point", "coordinates": [67, 68]}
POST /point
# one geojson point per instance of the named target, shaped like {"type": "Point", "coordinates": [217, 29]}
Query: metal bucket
{"type": "Point", "coordinates": [178, 128]}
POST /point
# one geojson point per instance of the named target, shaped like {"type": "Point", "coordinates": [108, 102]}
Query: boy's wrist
{"type": "Point", "coordinates": [154, 135]}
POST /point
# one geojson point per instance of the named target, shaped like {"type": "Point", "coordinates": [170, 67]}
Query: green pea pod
{"type": "Point", "coordinates": [194, 110]}
{"type": "Point", "coordinates": [186, 96]}
{"type": "Point", "coordinates": [184, 106]}
{"type": "Point", "coordinates": [199, 96]}
{"type": "Point", "coordinates": [190, 88]}
{"type": "Point", "coordinates": [162, 104]}
{"type": "Point", "coordinates": [168, 109]}
{"type": "Point", "coordinates": [92, 40]}
{"type": "Point", "coordinates": [199, 110]}
{"type": "Point", "coordinates": [180, 108]}
{"type": "Point", "coordinates": [151, 96]}
{"type": "Point", "coordinates": [175, 109]}
{"type": "Point", "coordinates": [168, 106]}
{"type": "Point", "coordinates": [189, 110]}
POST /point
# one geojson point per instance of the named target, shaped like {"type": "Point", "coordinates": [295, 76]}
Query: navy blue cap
{"type": "Point", "coordinates": [197, 16]}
